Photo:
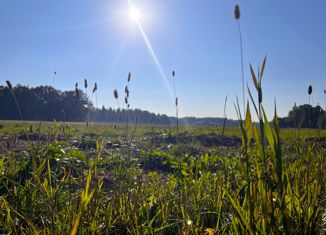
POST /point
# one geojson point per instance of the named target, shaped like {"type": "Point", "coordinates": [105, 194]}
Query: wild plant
{"type": "Point", "coordinates": [325, 99]}
{"type": "Point", "coordinates": [11, 89]}
{"type": "Point", "coordinates": [77, 93]}
{"type": "Point", "coordinates": [95, 92]}
{"type": "Point", "coordinates": [309, 92]}
{"type": "Point", "coordinates": [116, 96]}
{"type": "Point", "coordinates": [237, 17]}
{"type": "Point", "coordinates": [127, 105]}
{"type": "Point", "coordinates": [87, 107]}
{"type": "Point", "coordinates": [224, 113]}
{"type": "Point", "coordinates": [53, 79]}
{"type": "Point", "coordinates": [176, 103]}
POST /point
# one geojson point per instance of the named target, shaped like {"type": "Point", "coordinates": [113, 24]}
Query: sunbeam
{"type": "Point", "coordinates": [156, 61]}
{"type": "Point", "coordinates": [136, 16]}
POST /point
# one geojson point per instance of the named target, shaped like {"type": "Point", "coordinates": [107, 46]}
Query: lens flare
{"type": "Point", "coordinates": [134, 14]}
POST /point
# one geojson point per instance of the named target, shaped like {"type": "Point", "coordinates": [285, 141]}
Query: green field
{"type": "Point", "coordinates": [103, 179]}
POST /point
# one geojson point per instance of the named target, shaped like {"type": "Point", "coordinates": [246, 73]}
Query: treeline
{"type": "Point", "coordinates": [305, 116]}
{"type": "Point", "coordinates": [44, 103]}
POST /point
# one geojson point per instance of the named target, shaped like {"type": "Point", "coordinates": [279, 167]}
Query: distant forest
{"type": "Point", "coordinates": [44, 103]}
{"type": "Point", "coordinates": [305, 116]}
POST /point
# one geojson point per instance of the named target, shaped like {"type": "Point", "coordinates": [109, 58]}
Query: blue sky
{"type": "Point", "coordinates": [198, 39]}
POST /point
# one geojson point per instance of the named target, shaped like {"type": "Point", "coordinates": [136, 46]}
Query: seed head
{"type": "Point", "coordinates": [127, 91]}
{"type": "Point", "coordinates": [129, 76]}
{"type": "Point", "coordinates": [173, 73]}
{"type": "Point", "coordinates": [126, 100]}
{"type": "Point", "coordinates": [324, 91]}
{"type": "Point", "coordinates": [85, 83]}
{"type": "Point", "coordinates": [9, 85]}
{"type": "Point", "coordinates": [95, 87]}
{"type": "Point", "coordinates": [77, 92]}
{"type": "Point", "coordinates": [76, 85]}
{"type": "Point", "coordinates": [309, 90]}
{"type": "Point", "coordinates": [237, 12]}
{"type": "Point", "coordinates": [176, 101]}
{"type": "Point", "coordinates": [115, 94]}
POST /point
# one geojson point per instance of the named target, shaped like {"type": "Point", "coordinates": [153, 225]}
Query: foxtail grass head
{"type": "Point", "coordinates": [9, 85]}
{"type": "Point", "coordinates": [95, 87]}
{"type": "Point", "coordinates": [85, 83]}
{"type": "Point", "coordinates": [309, 90]}
{"type": "Point", "coordinates": [127, 91]}
{"type": "Point", "coordinates": [115, 94]}
{"type": "Point", "coordinates": [129, 77]}
{"type": "Point", "coordinates": [77, 92]}
{"type": "Point", "coordinates": [237, 12]}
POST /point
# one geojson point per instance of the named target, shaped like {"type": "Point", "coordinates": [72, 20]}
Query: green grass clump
{"type": "Point", "coordinates": [102, 183]}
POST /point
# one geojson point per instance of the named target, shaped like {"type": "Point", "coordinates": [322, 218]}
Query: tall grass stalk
{"type": "Point", "coordinates": [224, 112]}
{"type": "Point", "coordinates": [87, 105]}
{"type": "Point", "coordinates": [176, 104]}
{"type": "Point", "coordinates": [309, 92]}
{"type": "Point", "coordinates": [11, 89]}
{"type": "Point", "coordinates": [53, 79]}
{"type": "Point", "coordinates": [95, 92]}
{"type": "Point", "coordinates": [237, 17]}
{"type": "Point", "coordinates": [325, 100]}
{"type": "Point", "coordinates": [127, 105]}
{"type": "Point", "coordinates": [116, 96]}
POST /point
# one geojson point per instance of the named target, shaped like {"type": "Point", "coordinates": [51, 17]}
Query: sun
{"type": "Point", "coordinates": [134, 14]}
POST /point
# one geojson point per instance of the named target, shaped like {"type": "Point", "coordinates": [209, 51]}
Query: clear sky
{"type": "Point", "coordinates": [97, 40]}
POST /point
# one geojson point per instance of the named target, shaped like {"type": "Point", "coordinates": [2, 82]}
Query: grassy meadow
{"type": "Point", "coordinates": [65, 178]}
{"type": "Point", "coordinates": [126, 178]}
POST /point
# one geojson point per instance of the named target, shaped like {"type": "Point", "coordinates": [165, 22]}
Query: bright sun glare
{"type": "Point", "coordinates": [134, 14]}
